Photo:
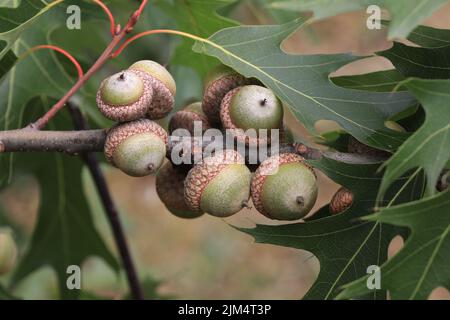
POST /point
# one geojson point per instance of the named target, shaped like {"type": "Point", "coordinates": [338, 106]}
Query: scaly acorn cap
{"type": "Point", "coordinates": [170, 189]}
{"type": "Point", "coordinates": [8, 251]}
{"type": "Point", "coordinates": [185, 118]}
{"type": "Point", "coordinates": [251, 107]}
{"type": "Point", "coordinates": [221, 80]}
{"type": "Point", "coordinates": [219, 185]}
{"type": "Point", "coordinates": [284, 187]}
{"type": "Point", "coordinates": [125, 96]}
{"type": "Point", "coordinates": [163, 85]}
{"type": "Point", "coordinates": [341, 201]}
{"type": "Point", "coordinates": [138, 148]}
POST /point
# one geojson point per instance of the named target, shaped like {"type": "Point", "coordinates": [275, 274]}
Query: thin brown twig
{"type": "Point", "coordinates": [106, 55]}
{"type": "Point", "coordinates": [111, 211]}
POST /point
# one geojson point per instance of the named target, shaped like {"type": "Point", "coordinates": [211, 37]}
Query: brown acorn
{"type": "Point", "coordinates": [125, 96]}
{"type": "Point", "coordinates": [138, 147]}
{"type": "Point", "coordinates": [170, 189]}
{"type": "Point", "coordinates": [185, 118]}
{"type": "Point", "coordinates": [163, 85]}
{"type": "Point", "coordinates": [220, 80]}
{"type": "Point", "coordinates": [219, 185]}
{"type": "Point", "coordinates": [251, 107]}
{"type": "Point", "coordinates": [284, 187]}
{"type": "Point", "coordinates": [341, 201]}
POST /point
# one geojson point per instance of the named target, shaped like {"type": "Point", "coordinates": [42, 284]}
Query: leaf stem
{"type": "Point", "coordinates": [42, 122]}
{"type": "Point", "coordinates": [110, 16]}
{"type": "Point", "coordinates": [58, 49]}
{"type": "Point", "coordinates": [155, 31]}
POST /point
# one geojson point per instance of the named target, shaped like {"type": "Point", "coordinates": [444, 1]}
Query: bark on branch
{"type": "Point", "coordinates": [72, 142]}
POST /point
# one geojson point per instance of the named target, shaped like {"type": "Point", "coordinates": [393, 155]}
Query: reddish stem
{"type": "Point", "coordinates": [60, 50]}
{"type": "Point", "coordinates": [42, 122]}
{"type": "Point", "coordinates": [110, 16]}
{"type": "Point", "coordinates": [155, 31]}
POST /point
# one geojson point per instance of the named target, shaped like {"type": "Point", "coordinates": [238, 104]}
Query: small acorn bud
{"type": "Point", "coordinates": [8, 251]}
{"type": "Point", "coordinates": [170, 189]}
{"type": "Point", "coordinates": [163, 85]}
{"type": "Point", "coordinates": [220, 185]}
{"type": "Point", "coordinates": [341, 201]}
{"type": "Point", "coordinates": [185, 118]}
{"type": "Point", "coordinates": [138, 148]}
{"type": "Point", "coordinates": [219, 82]}
{"type": "Point", "coordinates": [284, 187]}
{"type": "Point", "coordinates": [125, 96]}
{"type": "Point", "coordinates": [251, 107]}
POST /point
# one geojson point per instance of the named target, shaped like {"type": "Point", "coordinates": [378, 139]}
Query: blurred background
{"type": "Point", "coordinates": [206, 258]}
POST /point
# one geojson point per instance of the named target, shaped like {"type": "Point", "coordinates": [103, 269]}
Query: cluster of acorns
{"type": "Point", "coordinates": [282, 187]}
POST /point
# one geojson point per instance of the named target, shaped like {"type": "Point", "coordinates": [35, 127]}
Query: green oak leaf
{"type": "Point", "coordinates": [428, 147]}
{"type": "Point", "coordinates": [202, 19]}
{"type": "Point", "coordinates": [380, 81]}
{"type": "Point", "coordinates": [344, 245]}
{"type": "Point", "coordinates": [429, 37]}
{"type": "Point", "coordinates": [427, 63]}
{"type": "Point", "coordinates": [15, 20]}
{"type": "Point", "coordinates": [405, 14]}
{"type": "Point", "coordinates": [64, 234]}
{"type": "Point", "coordinates": [422, 264]}
{"type": "Point", "coordinates": [302, 82]}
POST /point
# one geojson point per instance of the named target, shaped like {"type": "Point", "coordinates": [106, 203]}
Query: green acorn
{"type": "Point", "coordinates": [284, 187]}
{"type": "Point", "coordinates": [170, 189]}
{"type": "Point", "coordinates": [138, 148]}
{"type": "Point", "coordinates": [163, 85]}
{"type": "Point", "coordinates": [125, 96]}
{"type": "Point", "coordinates": [251, 107]}
{"type": "Point", "coordinates": [220, 185]}
{"type": "Point", "coordinates": [219, 82]}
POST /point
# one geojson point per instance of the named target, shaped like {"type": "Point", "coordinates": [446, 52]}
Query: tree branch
{"type": "Point", "coordinates": [72, 142]}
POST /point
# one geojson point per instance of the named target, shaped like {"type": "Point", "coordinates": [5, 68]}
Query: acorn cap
{"type": "Point", "coordinates": [8, 251]}
{"type": "Point", "coordinates": [341, 201]}
{"type": "Point", "coordinates": [185, 118]}
{"type": "Point", "coordinates": [125, 96]}
{"type": "Point", "coordinates": [163, 85]}
{"type": "Point", "coordinates": [268, 172]}
{"type": "Point", "coordinates": [170, 189]}
{"type": "Point", "coordinates": [220, 81]}
{"type": "Point", "coordinates": [119, 133]}
{"type": "Point", "coordinates": [218, 184]}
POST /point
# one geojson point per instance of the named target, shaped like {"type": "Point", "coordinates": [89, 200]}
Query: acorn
{"type": "Point", "coordinates": [251, 107]}
{"type": "Point", "coordinates": [138, 148]}
{"type": "Point", "coordinates": [341, 201]}
{"type": "Point", "coordinates": [354, 146]}
{"type": "Point", "coordinates": [8, 251]}
{"type": "Point", "coordinates": [185, 118]}
{"type": "Point", "coordinates": [170, 189]}
{"type": "Point", "coordinates": [125, 96]}
{"type": "Point", "coordinates": [163, 85]}
{"type": "Point", "coordinates": [219, 185]}
{"type": "Point", "coordinates": [218, 82]}
{"type": "Point", "coordinates": [284, 187]}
